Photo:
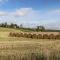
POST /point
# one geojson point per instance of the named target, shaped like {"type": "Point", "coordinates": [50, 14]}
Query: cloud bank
{"type": "Point", "coordinates": [17, 12]}
{"type": "Point", "coordinates": [49, 18]}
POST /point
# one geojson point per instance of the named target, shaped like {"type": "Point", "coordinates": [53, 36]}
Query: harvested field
{"type": "Point", "coordinates": [20, 48]}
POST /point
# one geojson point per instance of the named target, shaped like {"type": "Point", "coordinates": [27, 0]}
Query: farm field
{"type": "Point", "coordinates": [14, 48]}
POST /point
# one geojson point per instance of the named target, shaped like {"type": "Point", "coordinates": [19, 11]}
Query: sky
{"type": "Point", "coordinates": [31, 13]}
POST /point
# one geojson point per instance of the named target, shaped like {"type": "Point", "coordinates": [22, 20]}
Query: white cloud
{"type": "Point", "coordinates": [17, 12]}
{"type": "Point", "coordinates": [23, 11]}
{"type": "Point", "coordinates": [3, 13]}
{"type": "Point", "coordinates": [47, 18]}
{"type": "Point", "coordinates": [54, 11]}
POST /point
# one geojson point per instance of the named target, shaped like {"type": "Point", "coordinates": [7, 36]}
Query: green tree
{"type": "Point", "coordinates": [40, 28]}
{"type": "Point", "coordinates": [5, 24]}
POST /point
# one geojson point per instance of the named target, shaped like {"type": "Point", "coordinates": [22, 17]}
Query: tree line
{"type": "Point", "coordinates": [12, 25]}
{"type": "Point", "coordinates": [16, 26]}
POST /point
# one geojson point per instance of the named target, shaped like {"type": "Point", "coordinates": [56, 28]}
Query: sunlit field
{"type": "Point", "coordinates": [14, 48]}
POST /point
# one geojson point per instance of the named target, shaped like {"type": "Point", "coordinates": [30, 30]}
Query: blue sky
{"type": "Point", "coordinates": [31, 13]}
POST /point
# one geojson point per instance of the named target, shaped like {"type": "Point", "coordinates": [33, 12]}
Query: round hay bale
{"type": "Point", "coordinates": [45, 36]}
{"type": "Point", "coordinates": [21, 34]}
{"type": "Point", "coordinates": [57, 36]}
{"type": "Point", "coordinates": [34, 36]}
{"type": "Point", "coordinates": [39, 36]}
{"type": "Point", "coordinates": [17, 34]}
{"type": "Point", "coordinates": [25, 35]}
{"type": "Point", "coordinates": [14, 34]}
{"type": "Point", "coordinates": [51, 36]}
{"type": "Point", "coordinates": [29, 35]}
{"type": "Point", "coordinates": [10, 34]}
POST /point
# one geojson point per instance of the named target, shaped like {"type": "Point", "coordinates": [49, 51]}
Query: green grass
{"type": "Point", "coordinates": [14, 30]}
{"type": "Point", "coordinates": [12, 48]}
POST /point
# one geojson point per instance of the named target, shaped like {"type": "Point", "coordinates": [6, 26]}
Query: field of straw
{"type": "Point", "coordinates": [34, 35]}
{"type": "Point", "coordinates": [20, 48]}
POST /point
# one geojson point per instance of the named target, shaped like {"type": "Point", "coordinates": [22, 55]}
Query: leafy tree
{"type": "Point", "coordinates": [40, 28]}
{"type": "Point", "coordinates": [11, 25]}
{"type": "Point", "coordinates": [5, 24]}
{"type": "Point", "coordinates": [2, 24]}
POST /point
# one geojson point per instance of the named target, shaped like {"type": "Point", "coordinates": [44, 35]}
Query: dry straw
{"type": "Point", "coordinates": [29, 35]}
{"type": "Point", "coordinates": [21, 34]}
{"type": "Point", "coordinates": [39, 36]}
{"type": "Point", "coordinates": [34, 36]}
{"type": "Point", "coordinates": [14, 34]}
{"type": "Point", "coordinates": [45, 36]}
{"type": "Point", "coordinates": [25, 35]}
{"type": "Point", "coordinates": [57, 36]}
{"type": "Point", "coordinates": [10, 34]}
{"type": "Point", "coordinates": [51, 36]}
{"type": "Point", "coordinates": [17, 34]}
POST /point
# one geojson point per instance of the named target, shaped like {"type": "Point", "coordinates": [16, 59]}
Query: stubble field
{"type": "Point", "coordinates": [14, 48]}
